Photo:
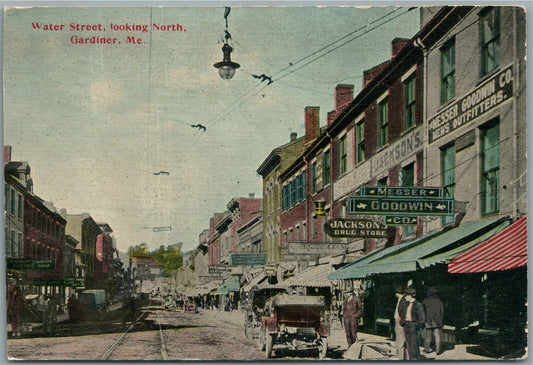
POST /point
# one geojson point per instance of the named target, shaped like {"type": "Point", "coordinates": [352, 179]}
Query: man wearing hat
{"type": "Point", "coordinates": [434, 311]}
{"type": "Point", "coordinates": [398, 329]}
{"type": "Point", "coordinates": [411, 317]}
{"type": "Point", "coordinates": [351, 312]}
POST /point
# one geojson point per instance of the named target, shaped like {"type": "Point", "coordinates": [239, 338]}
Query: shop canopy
{"type": "Point", "coordinates": [231, 285]}
{"type": "Point", "coordinates": [506, 250]}
{"type": "Point", "coordinates": [314, 276]}
{"type": "Point", "coordinates": [428, 250]}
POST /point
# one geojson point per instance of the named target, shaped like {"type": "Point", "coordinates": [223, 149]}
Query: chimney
{"type": "Point", "coordinates": [343, 94]}
{"type": "Point", "coordinates": [293, 136]}
{"type": "Point", "coordinates": [312, 123]}
{"type": "Point", "coordinates": [397, 44]}
{"type": "Point", "coordinates": [7, 154]}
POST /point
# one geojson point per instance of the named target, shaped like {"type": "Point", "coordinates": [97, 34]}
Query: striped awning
{"type": "Point", "coordinates": [314, 276]}
{"type": "Point", "coordinates": [504, 251]}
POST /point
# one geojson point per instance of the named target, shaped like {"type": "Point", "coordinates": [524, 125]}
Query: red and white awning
{"type": "Point", "coordinates": [504, 251]}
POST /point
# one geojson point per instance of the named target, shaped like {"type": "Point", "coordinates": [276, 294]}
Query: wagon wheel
{"type": "Point", "coordinates": [322, 348]}
{"type": "Point", "coordinates": [269, 345]}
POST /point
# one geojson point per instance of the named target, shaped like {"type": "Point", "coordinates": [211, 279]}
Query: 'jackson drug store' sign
{"type": "Point", "coordinates": [479, 101]}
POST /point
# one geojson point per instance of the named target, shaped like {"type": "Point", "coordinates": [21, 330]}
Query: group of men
{"type": "Point", "coordinates": [411, 318]}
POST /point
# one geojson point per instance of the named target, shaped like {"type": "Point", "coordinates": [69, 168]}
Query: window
{"type": "Point", "coordinates": [409, 96]}
{"type": "Point", "coordinates": [19, 208]}
{"type": "Point", "coordinates": [314, 177]}
{"type": "Point", "coordinates": [360, 141]}
{"type": "Point", "coordinates": [343, 155]}
{"type": "Point", "coordinates": [12, 244]}
{"type": "Point", "coordinates": [447, 71]}
{"type": "Point", "coordinates": [407, 179]}
{"type": "Point", "coordinates": [383, 182]}
{"type": "Point", "coordinates": [19, 246]}
{"type": "Point", "coordinates": [6, 197]}
{"type": "Point", "coordinates": [12, 201]}
{"type": "Point", "coordinates": [285, 197]}
{"type": "Point", "coordinates": [293, 192]}
{"type": "Point", "coordinates": [327, 168]}
{"type": "Point", "coordinates": [383, 108]}
{"type": "Point", "coordinates": [490, 169]}
{"type": "Point", "coordinates": [489, 23]}
{"type": "Point", "coordinates": [447, 158]}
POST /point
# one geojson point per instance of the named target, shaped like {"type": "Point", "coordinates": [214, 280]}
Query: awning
{"type": "Point", "coordinates": [255, 281]}
{"type": "Point", "coordinates": [231, 285]}
{"type": "Point", "coordinates": [314, 276]}
{"type": "Point", "coordinates": [506, 250]}
{"type": "Point", "coordinates": [422, 252]}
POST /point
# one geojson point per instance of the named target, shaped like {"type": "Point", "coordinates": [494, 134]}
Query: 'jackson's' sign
{"type": "Point", "coordinates": [355, 228]}
{"type": "Point", "coordinates": [479, 101]}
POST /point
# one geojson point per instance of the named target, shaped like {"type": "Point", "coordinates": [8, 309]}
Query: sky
{"type": "Point", "coordinates": [96, 122]}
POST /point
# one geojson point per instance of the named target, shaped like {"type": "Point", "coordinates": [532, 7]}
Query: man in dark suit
{"type": "Point", "coordinates": [434, 311]}
{"type": "Point", "coordinates": [351, 312]}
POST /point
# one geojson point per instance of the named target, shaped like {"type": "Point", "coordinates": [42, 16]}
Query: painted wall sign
{"type": "Point", "coordinates": [239, 259]}
{"type": "Point", "coordinates": [390, 206]}
{"type": "Point", "coordinates": [315, 248]}
{"type": "Point", "coordinates": [401, 192]}
{"type": "Point", "coordinates": [474, 104]}
{"type": "Point", "coordinates": [218, 269]}
{"type": "Point", "coordinates": [399, 220]}
{"type": "Point", "coordinates": [355, 228]}
{"type": "Point", "coordinates": [406, 146]}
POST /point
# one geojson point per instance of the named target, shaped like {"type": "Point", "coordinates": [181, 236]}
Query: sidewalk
{"type": "Point", "coordinates": [337, 339]}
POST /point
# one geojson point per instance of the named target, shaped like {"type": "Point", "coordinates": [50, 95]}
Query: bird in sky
{"type": "Point", "coordinates": [161, 173]}
{"type": "Point", "coordinates": [199, 126]}
{"type": "Point", "coordinates": [263, 77]}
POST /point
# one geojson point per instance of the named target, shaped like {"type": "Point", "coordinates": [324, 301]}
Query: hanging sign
{"type": "Point", "coordinates": [355, 228]}
{"type": "Point", "coordinates": [245, 259]}
{"type": "Point", "coordinates": [401, 192]}
{"type": "Point", "coordinates": [30, 265]}
{"type": "Point", "coordinates": [391, 206]}
{"type": "Point", "coordinates": [399, 220]}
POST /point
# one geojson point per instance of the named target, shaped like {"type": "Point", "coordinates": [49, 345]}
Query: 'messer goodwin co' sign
{"type": "Point", "coordinates": [479, 101]}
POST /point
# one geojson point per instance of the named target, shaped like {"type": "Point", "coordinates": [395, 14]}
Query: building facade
{"type": "Point", "coordinates": [276, 162]}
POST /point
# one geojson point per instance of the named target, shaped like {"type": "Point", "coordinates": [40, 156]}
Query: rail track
{"type": "Point", "coordinates": [123, 337]}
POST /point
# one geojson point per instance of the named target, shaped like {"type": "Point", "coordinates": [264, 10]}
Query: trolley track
{"type": "Point", "coordinates": [122, 339]}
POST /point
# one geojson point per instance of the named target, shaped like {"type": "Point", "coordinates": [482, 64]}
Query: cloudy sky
{"type": "Point", "coordinates": [96, 121]}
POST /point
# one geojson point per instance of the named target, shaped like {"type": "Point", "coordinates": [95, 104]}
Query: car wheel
{"type": "Point", "coordinates": [323, 348]}
{"type": "Point", "coordinates": [269, 345]}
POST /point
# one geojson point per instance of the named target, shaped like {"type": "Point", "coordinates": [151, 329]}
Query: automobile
{"type": "Point", "coordinates": [253, 303]}
{"type": "Point", "coordinates": [294, 322]}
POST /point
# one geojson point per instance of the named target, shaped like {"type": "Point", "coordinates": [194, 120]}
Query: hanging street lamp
{"type": "Point", "coordinates": [226, 68]}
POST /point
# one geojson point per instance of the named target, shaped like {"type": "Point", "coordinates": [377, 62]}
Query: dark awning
{"type": "Point", "coordinates": [506, 250]}
{"type": "Point", "coordinates": [433, 248]}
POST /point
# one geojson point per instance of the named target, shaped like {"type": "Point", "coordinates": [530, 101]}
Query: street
{"type": "Point", "coordinates": [207, 335]}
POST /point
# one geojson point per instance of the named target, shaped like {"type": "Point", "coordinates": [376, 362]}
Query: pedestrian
{"type": "Point", "coordinates": [351, 312]}
{"type": "Point", "coordinates": [15, 307]}
{"type": "Point", "coordinates": [434, 311]}
{"type": "Point", "coordinates": [411, 317]}
{"type": "Point", "coordinates": [398, 329]}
